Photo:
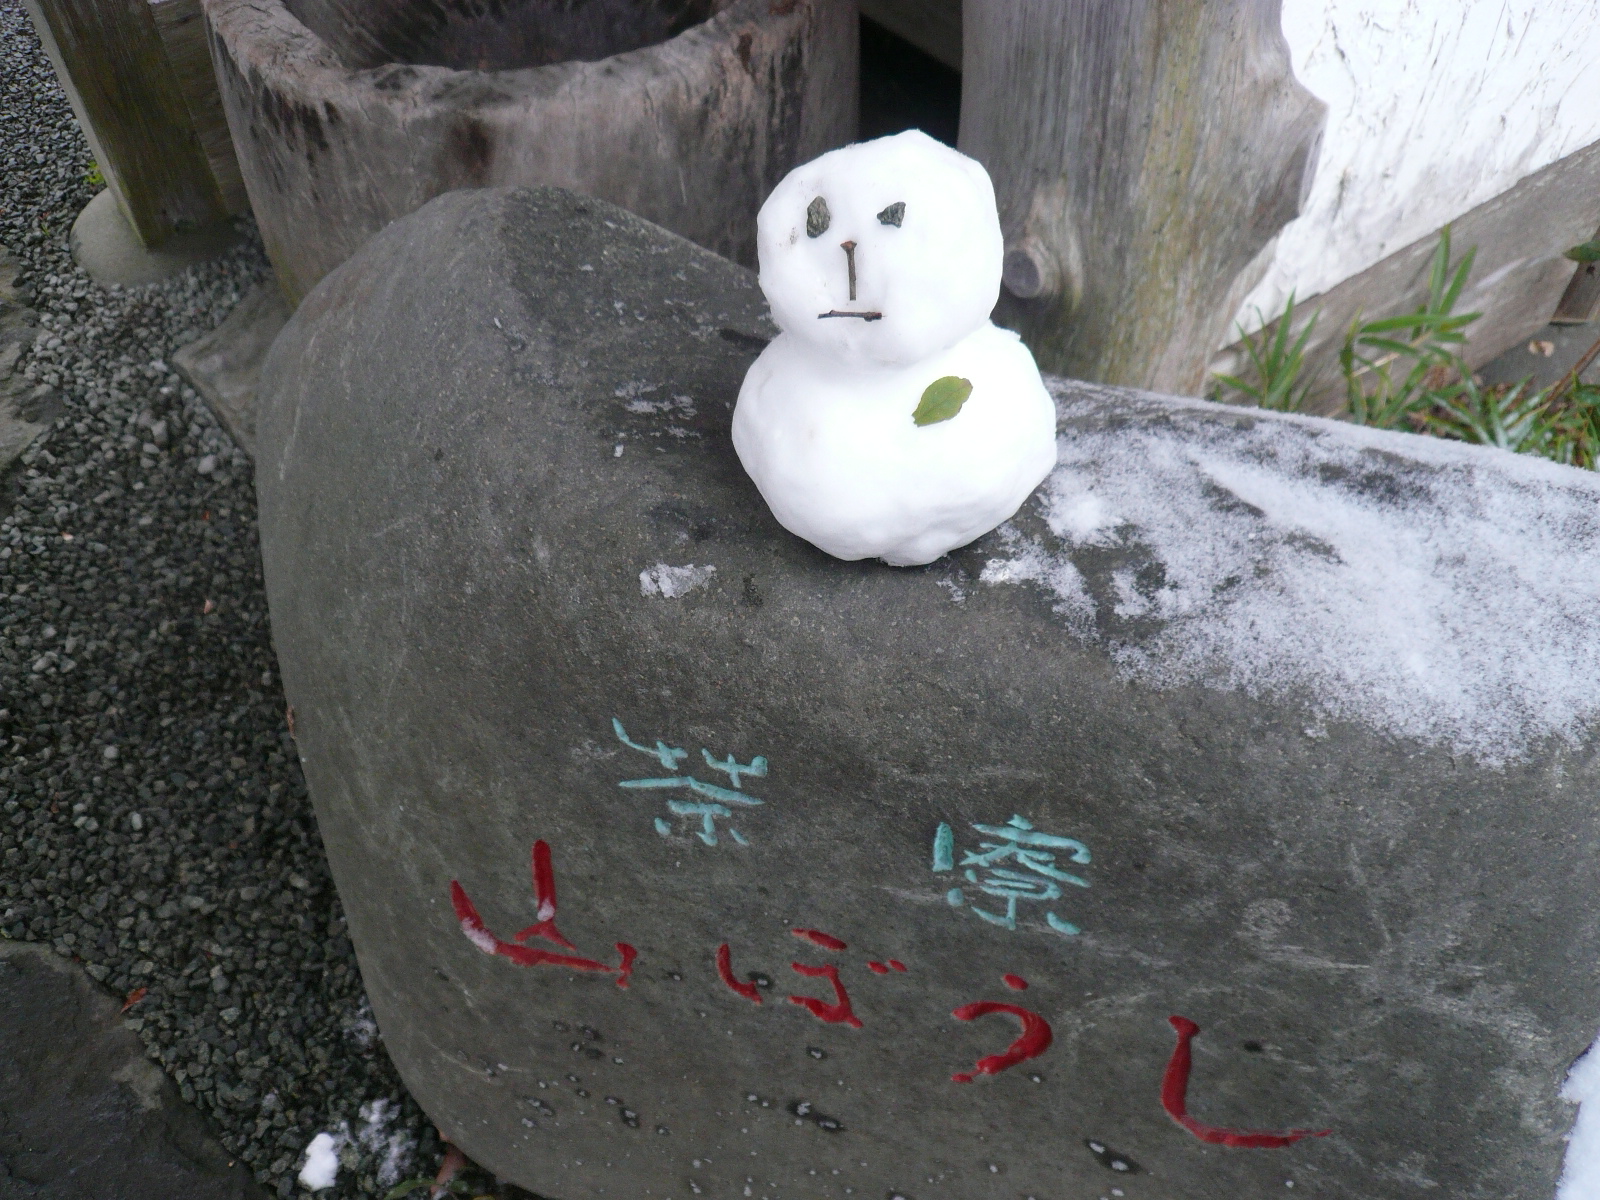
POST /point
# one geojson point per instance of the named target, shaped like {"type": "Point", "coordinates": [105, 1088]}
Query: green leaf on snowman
{"type": "Point", "coordinates": [942, 399]}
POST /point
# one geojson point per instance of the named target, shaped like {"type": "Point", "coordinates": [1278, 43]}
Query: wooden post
{"type": "Point", "coordinates": [1144, 154]}
{"type": "Point", "coordinates": [109, 57]}
{"type": "Point", "coordinates": [182, 27]}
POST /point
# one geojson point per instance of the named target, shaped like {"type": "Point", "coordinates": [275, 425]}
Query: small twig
{"type": "Point", "coordinates": [1570, 379]}
{"type": "Point", "coordinates": [452, 1165]}
{"type": "Point", "coordinates": [865, 316]}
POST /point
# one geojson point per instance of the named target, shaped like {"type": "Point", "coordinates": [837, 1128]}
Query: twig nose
{"type": "Point", "coordinates": [849, 249]}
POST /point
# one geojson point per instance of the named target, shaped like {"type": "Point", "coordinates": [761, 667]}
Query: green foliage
{"type": "Point", "coordinates": [942, 399]}
{"type": "Point", "coordinates": [1394, 367]}
{"type": "Point", "coordinates": [1577, 440]}
{"type": "Point", "coordinates": [1588, 252]}
{"type": "Point", "coordinates": [1563, 426]}
{"type": "Point", "coordinates": [93, 177]}
{"type": "Point", "coordinates": [456, 1187]}
{"type": "Point", "coordinates": [1512, 418]}
{"type": "Point", "coordinates": [1406, 372]}
{"type": "Point", "coordinates": [1275, 362]}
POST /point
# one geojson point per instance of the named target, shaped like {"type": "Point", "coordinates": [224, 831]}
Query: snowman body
{"type": "Point", "coordinates": [889, 419]}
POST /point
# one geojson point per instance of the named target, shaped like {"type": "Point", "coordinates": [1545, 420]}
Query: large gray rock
{"type": "Point", "coordinates": [1316, 702]}
{"type": "Point", "coordinates": [84, 1115]}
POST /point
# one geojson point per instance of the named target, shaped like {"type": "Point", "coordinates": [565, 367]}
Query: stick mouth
{"type": "Point", "coordinates": [865, 316]}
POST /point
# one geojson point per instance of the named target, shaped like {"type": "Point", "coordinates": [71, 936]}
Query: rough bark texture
{"type": "Point", "coordinates": [183, 33]}
{"type": "Point", "coordinates": [498, 35]}
{"type": "Point", "coordinates": [691, 133]}
{"type": "Point", "coordinates": [111, 62]}
{"type": "Point", "coordinates": [1144, 152]}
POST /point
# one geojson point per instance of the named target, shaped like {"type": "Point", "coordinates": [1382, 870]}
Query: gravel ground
{"type": "Point", "coordinates": [154, 824]}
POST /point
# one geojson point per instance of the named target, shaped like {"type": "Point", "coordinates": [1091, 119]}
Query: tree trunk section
{"type": "Point", "coordinates": [113, 66]}
{"type": "Point", "coordinates": [1144, 154]}
{"type": "Point", "coordinates": [691, 132]}
{"type": "Point", "coordinates": [182, 28]}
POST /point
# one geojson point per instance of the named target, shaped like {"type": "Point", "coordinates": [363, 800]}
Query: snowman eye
{"type": "Point", "coordinates": [817, 219]}
{"type": "Point", "coordinates": [894, 214]}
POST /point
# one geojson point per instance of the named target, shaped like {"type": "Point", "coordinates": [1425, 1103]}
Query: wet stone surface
{"type": "Point", "coordinates": [84, 1115]}
{"type": "Point", "coordinates": [914, 889]}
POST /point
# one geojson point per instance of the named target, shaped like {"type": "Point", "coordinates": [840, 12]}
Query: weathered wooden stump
{"type": "Point", "coordinates": [1238, 723]}
{"type": "Point", "coordinates": [137, 77]}
{"type": "Point", "coordinates": [1144, 152]}
{"type": "Point", "coordinates": [349, 115]}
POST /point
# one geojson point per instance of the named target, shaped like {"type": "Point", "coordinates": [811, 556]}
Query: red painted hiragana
{"type": "Point", "coordinates": [839, 1012]}
{"type": "Point", "coordinates": [544, 891]}
{"type": "Point", "coordinates": [725, 972]}
{"type": "Point", "coordinates": [1175, 1094]}
{"type": "Point", "coordinates": [1034, 1040]}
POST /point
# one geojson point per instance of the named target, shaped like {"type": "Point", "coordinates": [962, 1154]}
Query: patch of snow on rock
{"type": "Point", "coordinates": [1580, 1176]}
{"type": "Point", "coordinates": [1440, 591]}
{"type": "Point", "coordinates": [672, 582]}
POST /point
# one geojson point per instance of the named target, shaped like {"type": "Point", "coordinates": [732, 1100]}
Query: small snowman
{"type": "Point", "coordinates": [889, 418]}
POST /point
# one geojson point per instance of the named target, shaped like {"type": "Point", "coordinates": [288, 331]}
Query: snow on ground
{"type": "Point", "coordinates": [389, 1149]}
{"type": "Point", "coordinates": [1443, 592]}
{"type": "Point", "coordinates": [322, 1162]}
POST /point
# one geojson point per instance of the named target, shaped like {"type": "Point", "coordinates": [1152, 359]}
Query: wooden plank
{"type": "Point", "coordinates": [932, 26]}
{"type": "Point", "coordinates": [113, 67]}
{"type": "Point", "coordinates": [1518, 275]}
{"type": "Point", "coordinates": [182, 28]}
{"type": "Point", "coordinates": [1144, 152]}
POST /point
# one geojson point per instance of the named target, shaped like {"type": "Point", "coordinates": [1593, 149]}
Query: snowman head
{"type": "Point", "coordinates": [882, 253]}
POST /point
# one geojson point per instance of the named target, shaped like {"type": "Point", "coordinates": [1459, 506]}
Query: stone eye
{"type": "Point", "coordinates": [894, 214]}
{"type": "Point", "coordinates": [817, 219]}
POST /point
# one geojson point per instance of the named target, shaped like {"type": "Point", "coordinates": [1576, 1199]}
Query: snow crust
{"type": "Point", "coordinates": [670, 582]}
{"type": "Point", "coordinates": [392, 1149]}
{"type": "Point", "coordinates": [1580, 1176]}
{"type": "Point", "coordinates": [1434, 590]}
